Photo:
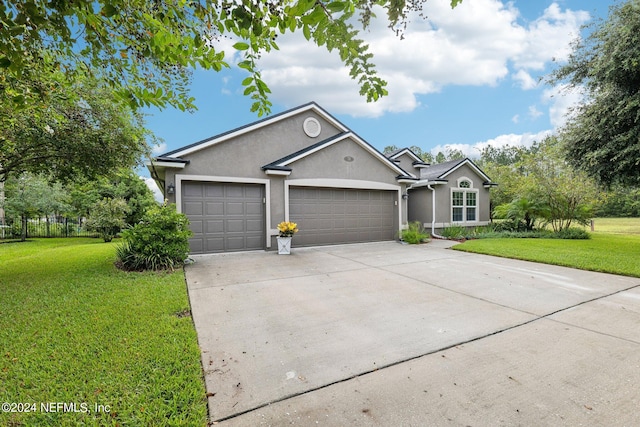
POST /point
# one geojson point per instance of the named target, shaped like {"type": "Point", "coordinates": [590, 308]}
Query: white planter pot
{"type": "Point", "coordinates": [284, 245]}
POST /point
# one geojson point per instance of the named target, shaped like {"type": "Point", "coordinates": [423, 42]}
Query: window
{"type": "Point", "coordinates": [471, 206]}
{"type": "Point", "coordinates": [464, 202]}
{"type": "Point", "coordinates": [457, 202]}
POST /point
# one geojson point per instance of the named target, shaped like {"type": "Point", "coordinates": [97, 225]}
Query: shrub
{"type": "Point", "coordinates": [414, 233]}
{"type": "Point", "coordinates": [160, 241]}
{"type": "Point", "coordinates": [573, 234]}
{"type": "Point", "coordinates": [454, 232]}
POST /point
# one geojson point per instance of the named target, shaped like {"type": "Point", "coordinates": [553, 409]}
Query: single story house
{"type": "Point", "coordinates": [305, 166]}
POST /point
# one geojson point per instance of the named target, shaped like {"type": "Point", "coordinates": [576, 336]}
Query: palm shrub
{"type": "Point", "coordinates": [160, 241]}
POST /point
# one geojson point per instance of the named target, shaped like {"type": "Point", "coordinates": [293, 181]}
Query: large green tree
{"type": "Point", "coordinates": [82, 130]}
{"type": "Point", "coordinates": [603, 136]}
{"type": "Point", "coordinates": [145, 49]}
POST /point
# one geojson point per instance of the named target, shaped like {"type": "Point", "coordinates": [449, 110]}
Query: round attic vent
{"type": "Point", "coordinates": [311, 127]}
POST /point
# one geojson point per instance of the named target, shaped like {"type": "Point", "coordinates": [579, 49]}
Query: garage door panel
{"type": "Point", "coordinates": [215, 208]}
{"type": "Point", "coordinates": [234, 208]}
{"type": "Point", "coordinates": [234, 191]}
{"type": "Point", "coordinates": [254, 225]}
{"type": "Point", "coordinates": [324, 208]}
{"type": "Point", "coordinates": [224, 216]}
{"type": "Point", "coordinates": [329, 216]}
{"type": "Point", "coordinates": [213, 191]}
{"type": "Point", "coordinates": [215, 245]}
{"type": "Point", "coordinates": [214, 226]}
{"type": "Point", "coordinates": [192, 189]}
{"type": "Point", "coordinates": [234, 225]}
{"type": "Point", "coordinates": [196, 226]}
{"type": "Point", "coordinates": [196, 245]}
{"type": "Point", "coordinates": [254, 208]}
{"type": "Point", "coordinates": [253, 192]}
{"type": "Point", "coordinates": [193, 208]}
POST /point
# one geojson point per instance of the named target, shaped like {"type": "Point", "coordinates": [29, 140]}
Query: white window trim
{"type": "Point", "coordinates": [464, 204]}
{"type": "Point", "coordinates": [464, 178]}
{"type": "Point", "coordinates": [232, 179]}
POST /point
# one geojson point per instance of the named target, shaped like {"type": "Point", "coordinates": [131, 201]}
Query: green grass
{"type": "Point", "coordinates": [605, 251]}
{"type": "Point", "coordinates": [616, 225]}
{"type": "Point", "coordinates": [74, 329]}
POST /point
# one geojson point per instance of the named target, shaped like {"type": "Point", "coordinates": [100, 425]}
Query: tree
{"type": "Point", "coordinates": [145, 50]}
{"type": "Point", "coordinates": [86, 132]}
{"type": "Point", "coordinates": [107, 217]}
{"type": "Point", "coordinates": [602, 137]}
{"type": "Point", "coordinates": [29, 195]}
{"type": "Point", "coordinates": [567, 195]}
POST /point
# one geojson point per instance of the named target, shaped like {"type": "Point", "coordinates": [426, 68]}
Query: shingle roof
{"type": "Point", "coordinates": [436, 171]}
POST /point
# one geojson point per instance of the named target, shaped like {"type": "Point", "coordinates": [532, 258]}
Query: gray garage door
{"type": "Point", "coordinates": [224, 217]}
{"type": "Point", "coordinates": [337, 215]}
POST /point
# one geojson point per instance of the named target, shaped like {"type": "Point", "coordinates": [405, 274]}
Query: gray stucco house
{"type": "Point", "coordinates": [303, 165]}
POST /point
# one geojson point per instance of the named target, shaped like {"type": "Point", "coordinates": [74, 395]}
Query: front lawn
{"type": "Point", "coordinates": [91, 345]}
{"type": "Point", "coordinates": [610, 253]}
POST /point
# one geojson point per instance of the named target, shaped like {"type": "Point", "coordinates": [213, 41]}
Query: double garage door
{"type": "Point", "coordinates": [337, 215]}
{"type": "Point", "coordinates": [228, 217]}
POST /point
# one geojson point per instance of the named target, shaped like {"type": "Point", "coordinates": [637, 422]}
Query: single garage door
{"type": "Point", "coordinates": [224, 217]}
{"type": "Point", "coordinates": [340, 215]}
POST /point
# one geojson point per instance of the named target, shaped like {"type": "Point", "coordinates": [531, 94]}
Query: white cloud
{"type": "Point", "coordinates": [159, 148]}
{"type": "Point", "coordinates": [157, 194]}
{"type": "Point", "coordinates": [524, 80]}
{"type": "Point", "coordinates": [474, 44]}
{"type": "Point", "coordinates": [534, 113]}
{"type": "Point", "coordinates": [561, 101]}
{"type": "Point", "coordinates": [512, 140]}
{"type": "Point", "coordinates": [516, 118]}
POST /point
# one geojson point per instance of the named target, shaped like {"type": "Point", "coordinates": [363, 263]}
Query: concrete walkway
{"type": "Point", "coordinates": [391, 334]}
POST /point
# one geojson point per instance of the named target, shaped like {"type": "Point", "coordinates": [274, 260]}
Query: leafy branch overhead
{"type": "Point", "coordinates": [602, 136]}
{"type": "Point", "coordinates": [146, 49]}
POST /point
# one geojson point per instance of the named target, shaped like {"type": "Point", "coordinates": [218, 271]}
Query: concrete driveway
{"type": "Point", "coordinates": [391, 334]}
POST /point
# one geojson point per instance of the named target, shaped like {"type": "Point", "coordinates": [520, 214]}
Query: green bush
{"type": "Point", "coordinates": [455, 232]}
{"type": "Point", "coordinates": [573, 234]}
{"type": "Point", "coordinates": [414, 233]}
{"type": "Point", "coordinates": [160, 241]}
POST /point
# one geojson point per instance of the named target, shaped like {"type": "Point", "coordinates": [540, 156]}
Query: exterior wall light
{"type": "Point", "coordinates": [171, 189]}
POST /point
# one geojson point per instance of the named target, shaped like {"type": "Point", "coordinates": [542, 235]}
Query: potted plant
{"type": "Point", "coordinates": [286, 230]}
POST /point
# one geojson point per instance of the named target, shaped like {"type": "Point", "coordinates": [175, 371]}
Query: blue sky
{"type": "Point", "coordinates": [462, 79]}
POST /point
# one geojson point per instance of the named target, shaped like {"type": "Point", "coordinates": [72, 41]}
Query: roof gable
{"type": "Point", "coordinates": [441, 170]}
{"type": "Point", "coordinates": [285, 162]}
{"type": "Point", "coordinates": [205, 143]}
{"type": "Point", "coordinates": [406, 151]}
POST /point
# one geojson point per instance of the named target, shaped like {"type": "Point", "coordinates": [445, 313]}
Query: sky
{"type": "Point", "coordinates": [462, 79]}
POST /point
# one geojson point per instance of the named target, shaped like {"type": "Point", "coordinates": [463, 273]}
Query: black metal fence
{"type": "Point", "coordinates": [45, 227]}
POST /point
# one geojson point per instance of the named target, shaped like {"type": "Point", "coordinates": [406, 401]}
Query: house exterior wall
{"type": "Point", "coordinates": [240, 159]}
{"type": "Point", "coordinates": [421, 209]}
{"type": "Point", "coordinates": [406, 163]}
{"type": "Point", "coordinates": [420, 206]}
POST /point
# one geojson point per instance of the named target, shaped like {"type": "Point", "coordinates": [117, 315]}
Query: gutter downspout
{"type": "Point", "coordinates": [433, 213]}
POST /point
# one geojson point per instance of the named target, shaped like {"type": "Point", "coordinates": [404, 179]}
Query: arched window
{"type": "Point", "coordinates": [464, 202]}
